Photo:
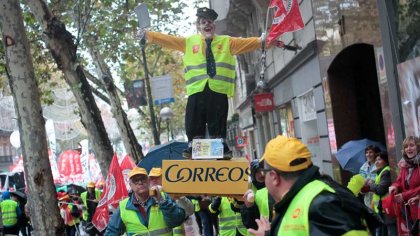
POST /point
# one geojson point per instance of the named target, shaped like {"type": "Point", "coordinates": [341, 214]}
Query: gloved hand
{"type": "Point", "coordinates": [249, 198]}
{"type": "Point", "coordinates": [215, 204]}
{"type": "Point", "coordinates": [141, 34]}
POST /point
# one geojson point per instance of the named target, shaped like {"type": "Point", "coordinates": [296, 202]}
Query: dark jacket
{"type": "Point", "coordinates": [382, 188]}
{"type": "Point", "coordinates": [329, 213]}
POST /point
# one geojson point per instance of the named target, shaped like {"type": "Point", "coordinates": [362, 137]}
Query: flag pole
{"type": "Point", "coordinates": [262, 84]}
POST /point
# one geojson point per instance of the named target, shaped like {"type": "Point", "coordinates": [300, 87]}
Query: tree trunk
{"type": "Point", "coordinates": [129, 139]}
{"type": "Point", "coordinates": [45, 215]}
{"type": "Point", "coordinates": [62, 47]}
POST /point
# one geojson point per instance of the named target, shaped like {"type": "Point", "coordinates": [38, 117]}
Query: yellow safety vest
{"type": "Point", "coordinates": [229, 220]}
{"type": "Point", "coordinates": [84, 197]}
{"type": "Point", "coordinates": [157, 225]}
{"type": "Point", "coordinates": [179, 230]}
{"type": "Point", "coordinates": [296, 219]}
{"type": "Point", "coordinates": [195, 66]}
{"type": "Point", "coordinates": [261, 199]}
{"type": "Point", "coordinates": [8, 211]}
{"type": "Point", "coordinates": [376, 198]}
{"type": "Point", "coordinates": [76, 220]}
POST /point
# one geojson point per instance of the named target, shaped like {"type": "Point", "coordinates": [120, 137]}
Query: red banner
{"type": "Point", "coordinates": [114, 191]}
{"type": "Point", "coordinates": [263, 102]}
{"type": "Point", "coordinates": [70, 167]}
{"type": "Point", "coordinates": [287, 18]}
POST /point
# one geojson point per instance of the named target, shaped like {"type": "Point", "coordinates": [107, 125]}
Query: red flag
{"type": "Point", "coordinates": [114, 191]}
{"type": "Point", "coordinates": [127, 165]}
{"type": "Point", "coordinates": [287, 18]}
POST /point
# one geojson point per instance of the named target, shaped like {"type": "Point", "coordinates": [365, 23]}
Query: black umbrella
{"type": "Point", "coordinates": [74, 189]}
{"type": "Point", "coordinates": [21, 196]}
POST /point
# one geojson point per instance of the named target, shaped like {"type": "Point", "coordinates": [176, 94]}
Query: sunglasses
{"type": "Point", "coordinates": [265, 171]}
{"type": "Point", "coordinates": [139, 180]}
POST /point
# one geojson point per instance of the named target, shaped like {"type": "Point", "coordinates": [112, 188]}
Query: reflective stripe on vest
{"type": "Point", "coordinates": [295, 220]}
{"type": "Point", "coordinates": [229, 220]}
{"type": "Point", "coordinates": [157, 225]}
{"type": "Point", "coordinates": [261, 199]}
{"type": "Point", "coordinates": [179, 230]}
{"type": "Point", "coordinates": [376, 198]}
{"type": "Point", "coordinates": [195, 66]}
{"type": "Point", "coordinates": [8, 210]}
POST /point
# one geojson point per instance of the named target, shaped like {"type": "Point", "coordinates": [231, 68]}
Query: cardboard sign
{"type": "Point", "coordinates": [205, 177]}
{"type": "Point", "coordinates": [207, 149]}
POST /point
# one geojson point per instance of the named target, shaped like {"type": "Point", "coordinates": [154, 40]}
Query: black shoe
{"type": "Point", "coordinates": [227, 153]}
{"type": "Point", "coordinates": [187, 153]}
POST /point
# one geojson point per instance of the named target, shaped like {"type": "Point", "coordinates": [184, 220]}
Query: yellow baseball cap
{"type": "Point", "coordinates": [287, 154]}
{"type": "Point", "coordinates": [90, 185]}
{"type": "Point", "coordinates": [155, 172]}
{"type": "Point", "coordinates": [137, 171]}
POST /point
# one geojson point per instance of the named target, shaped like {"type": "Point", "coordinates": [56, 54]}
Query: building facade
{"type": "Point", "coordinates": [342, 85]}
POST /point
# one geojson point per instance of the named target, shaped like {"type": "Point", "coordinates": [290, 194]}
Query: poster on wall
{"type": "Point", "coordinates": [409, 81]}
{"type": "Point", "coordinates": [307, 106]}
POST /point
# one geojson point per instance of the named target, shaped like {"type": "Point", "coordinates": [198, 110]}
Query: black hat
{"type": "Point", "coordinates": [206, 13]}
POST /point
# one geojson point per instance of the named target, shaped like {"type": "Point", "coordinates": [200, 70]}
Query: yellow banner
{"type": "Point", "coordinates": [205, 177]}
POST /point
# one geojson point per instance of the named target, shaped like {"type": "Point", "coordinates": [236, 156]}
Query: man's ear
{"type": "Point", "coordinates": [277, 180]}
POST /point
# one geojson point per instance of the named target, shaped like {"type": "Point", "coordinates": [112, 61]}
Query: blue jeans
{"type": "Point", "coordinates": [206, 222]}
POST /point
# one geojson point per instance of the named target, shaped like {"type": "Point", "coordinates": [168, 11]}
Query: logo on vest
{"type": "Point", "coordinates": [195, 48]}
{"type": "Point", "coordinates": [296, 213]}
{"type": "Point", "coordinates": [219, 47]}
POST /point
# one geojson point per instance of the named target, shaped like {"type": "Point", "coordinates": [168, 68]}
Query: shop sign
{"type": "Point", "coordinates": [241, 141]}
{"type": "Point", "coordinates": [264, 102]}
{"type": "Point", "coordinates": [205, 177]}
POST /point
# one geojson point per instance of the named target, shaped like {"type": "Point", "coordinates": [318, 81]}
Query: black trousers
{"type": "Point", "coordinates": [206, 107]}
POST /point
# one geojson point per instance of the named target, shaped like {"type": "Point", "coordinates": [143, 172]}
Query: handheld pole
{"type": "Point", "coordinates": [149, 93]}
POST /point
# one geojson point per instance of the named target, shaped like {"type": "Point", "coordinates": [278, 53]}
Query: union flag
{"type": "Point", "coordinates": [287, 18]}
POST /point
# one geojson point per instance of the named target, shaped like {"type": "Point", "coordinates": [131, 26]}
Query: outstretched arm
{"type": "Point", "coordinates": [244, 45]}
{"type": "Point", "coordinates": [166, 41]}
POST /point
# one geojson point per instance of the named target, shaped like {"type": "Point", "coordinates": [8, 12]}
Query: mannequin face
{"type": "Point", "coordinates": [206, 27]}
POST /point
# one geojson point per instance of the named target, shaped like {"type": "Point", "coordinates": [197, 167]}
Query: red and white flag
{"type": "Point", "coordinates": [114, 191]}
{"type": "Point", "coordinates": [287, 18]}
{"type": "Point", "coordinates": [127, 165]}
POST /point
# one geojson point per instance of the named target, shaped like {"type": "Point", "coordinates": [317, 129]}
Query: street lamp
{"type": "Point", "coordinates": [166, 114]}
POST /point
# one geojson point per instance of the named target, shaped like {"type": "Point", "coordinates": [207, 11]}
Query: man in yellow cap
{"type": "Point", "coordinates": [141, 214]}
{"type": "Point", "coordinates": [306, 202]}
{"type": "Point", "coordinates": [90, 200]}
{"type": "Point", "coordinates": [209, 66]}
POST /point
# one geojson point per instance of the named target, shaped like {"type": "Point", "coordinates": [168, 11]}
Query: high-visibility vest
{"type": "Point", "coordinates": [179, 230]}
{"type": "Point", "coordinates": [376, 198]}
{"type": "Point", "coordinates": [157, 225]}
{"type": "Point", "coordinates": [195, 66]}
{"type": "Point", "coordinates": [261, 199]}
{"type": "Point", "coordinates": [229, 220]}
{"type": "Point", "coordinates": [74, 220]}
{"type": "Point", "coordinates": [84, 199]}
{"type": "Point", "coordinates": [8, 211]}
{"type": "Point", "coordinates": [296, 219]}
{"type": "Point", "coordinates": [196, 205]}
